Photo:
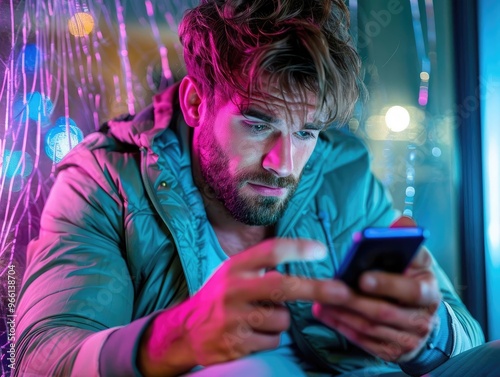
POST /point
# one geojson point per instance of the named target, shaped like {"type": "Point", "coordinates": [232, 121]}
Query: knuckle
{"type": "Point", "coordinates": [409, 343]}
{"type": "Point", "coordinates": [231, 292]}
{"type": "Point", "coordinates": [394, 351]}
{"type": "Point", "coordinates": [389, 355]}
{"type": "Point", "coordinates": [383, 312]}
{"type": "Point", "coordinates": [421, 322]}
{"type": "Point", "coordinates": [366, 327]}
{"type": "Point", "coordinates": [426, 327]}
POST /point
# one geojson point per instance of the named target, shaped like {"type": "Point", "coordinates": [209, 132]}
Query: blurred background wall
{"type": "Point", "coordinates": [66, 66]}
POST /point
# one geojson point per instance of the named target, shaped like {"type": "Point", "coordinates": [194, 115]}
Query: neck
{"type": "Point", "coordinates": [240, 238]}
{"type": "Point", "coordinates": [233, 235]}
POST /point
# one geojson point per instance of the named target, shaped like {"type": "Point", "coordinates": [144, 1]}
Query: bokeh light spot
{"type": "Point", "coordinates": [410, 191]}
{"type": "Point", "coordinates": [81, 24]}
{"type": "Point", "coordinates": [410, 173]}
{"type": "Point", "coordinates": [16, 183]}
{"type": "Point", "coordinates": [16, 163]}
{"type": "Point", "coordinates": [423, 96]}
{"type": "Point", "coordinates": [32, 57]}
{"type": "Point", "coordinates": [436, 152]}
{"type": "Point", "coordinates": [397, 118]}
{"type": "Point", "coordinates": [57, 141]}
{"type": "Point", "coordinates": [424, 76]}
{"type": "Point", "coordinates": [36, 107]}
{"type": "Point", "coordinates": [408, 212]}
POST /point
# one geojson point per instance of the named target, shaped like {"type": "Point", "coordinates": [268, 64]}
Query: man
{"type": "Point", "coordinates": [202, 235]}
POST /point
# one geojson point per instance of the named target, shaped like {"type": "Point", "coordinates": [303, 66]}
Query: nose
{"type": "Point", "coordinates": [279, 158]}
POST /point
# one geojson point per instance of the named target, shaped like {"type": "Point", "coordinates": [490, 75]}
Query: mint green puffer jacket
{"type": "Point", "coordinates": [124, 234]}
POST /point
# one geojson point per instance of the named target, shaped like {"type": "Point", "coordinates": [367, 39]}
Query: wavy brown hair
{"type": "Point", "coordinates": [298, 46]}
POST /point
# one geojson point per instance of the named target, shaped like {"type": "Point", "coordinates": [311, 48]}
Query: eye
{"type": "Point", "coordinates": [305, 135]}
{"type": "Point", "coordinates": [257, 128]}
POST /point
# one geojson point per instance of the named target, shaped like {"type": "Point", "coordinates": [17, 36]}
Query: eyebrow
{"type": "Point", "coordinates": [254, 113]}
{"type": "Point", "coordinates": [257, 114]}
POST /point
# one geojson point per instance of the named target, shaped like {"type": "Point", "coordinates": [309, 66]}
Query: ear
{"type": "Point", "coordinates": [190, 99]}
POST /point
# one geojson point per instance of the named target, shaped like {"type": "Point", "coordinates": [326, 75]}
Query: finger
{"type": "Point", "coordinates": [262, 342]}
{"type": "Point", "coordinates": [272, 252]}
{"type": "Point", "coordinates": [268, 317]}
{"type": "Point", "coordinates": [280, 288]}
{"type": "Point", "coordinates": [410, 291]}
{"type": "Point", "coordinates": [422, 259]}
{"type": "Point", "coordinates": [417, 323]}
{"type": "Point", "coordinates": [403, 222]}
{"type": "Point", "coordinates": [383, 341]}
{"type": "Point", "coordinates": [241, 342]}
{"type": "Point", "coordinates": [392, 348]}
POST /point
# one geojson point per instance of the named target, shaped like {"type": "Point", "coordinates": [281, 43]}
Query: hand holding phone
{"type": "Point", "coordinates": [383, 249]}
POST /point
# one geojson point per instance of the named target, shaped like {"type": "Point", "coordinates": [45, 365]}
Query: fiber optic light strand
{"type": "Point", "coordinates": [353, 10]}
{"type": "Point", "coordinates": [423, 93]}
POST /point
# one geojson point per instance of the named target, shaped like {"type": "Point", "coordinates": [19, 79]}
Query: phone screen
{"type": "Point", "coordinates": [384, 249]}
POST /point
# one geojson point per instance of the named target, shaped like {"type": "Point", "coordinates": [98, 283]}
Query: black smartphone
{"type": "Point", "coordinates": [383, 249]}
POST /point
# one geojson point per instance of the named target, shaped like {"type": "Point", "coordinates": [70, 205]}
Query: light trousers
{"type": "Point", "coordinates": [482, 361]}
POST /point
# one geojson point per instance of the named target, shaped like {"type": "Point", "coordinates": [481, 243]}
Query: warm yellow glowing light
{"type": "Point", "coordinates": [424, 76]}
{"type": "Point", "coordinates": [397, 118]}
{"type": "Point", "coordinates": [81, 24]}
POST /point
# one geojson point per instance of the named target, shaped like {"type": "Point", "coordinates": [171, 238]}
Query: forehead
{"type": "Point", "coordinates": [277, 103]}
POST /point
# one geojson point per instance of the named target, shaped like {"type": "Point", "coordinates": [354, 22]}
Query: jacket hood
{"type": "Point", "coordinates": [147, 125]}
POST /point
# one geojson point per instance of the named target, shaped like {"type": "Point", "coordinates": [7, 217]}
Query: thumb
{"type": "Point", "coordinates": [423, 258]}
{"type": "Point", "coordinates": [403, 222]}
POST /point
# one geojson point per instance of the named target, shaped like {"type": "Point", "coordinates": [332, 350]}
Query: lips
{"type": "Point", "coordinates": [267, 190]}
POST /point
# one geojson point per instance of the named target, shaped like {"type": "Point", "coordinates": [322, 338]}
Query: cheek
{"type": "Point", "coordinates": [300, 158]}
{"type": "Point", "coordinates": [240, 152]}
{"type": "Point", "coordinates": [233, 150]}
{"type": "Point", "coordinates": [246, 154]}
{"type": "Point", "coordinates": [224, 137]}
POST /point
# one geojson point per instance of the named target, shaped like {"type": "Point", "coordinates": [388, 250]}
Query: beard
{"type": "Point", "coordinates": [218, 183]}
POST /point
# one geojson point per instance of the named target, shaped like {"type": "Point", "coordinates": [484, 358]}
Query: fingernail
{"type": "Point", "coordinates": [369, 282]}
{"type": "Point", "coordinates": [318, 252]}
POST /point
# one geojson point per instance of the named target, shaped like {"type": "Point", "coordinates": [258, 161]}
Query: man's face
{"type": "Point", "coordinates": [252, 160]}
